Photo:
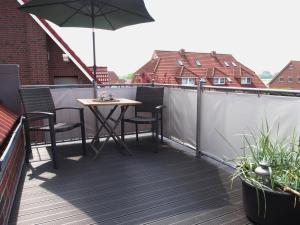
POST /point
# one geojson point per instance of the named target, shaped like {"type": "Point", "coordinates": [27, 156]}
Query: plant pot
{"type": "Point", "coordinates": [279, 210]}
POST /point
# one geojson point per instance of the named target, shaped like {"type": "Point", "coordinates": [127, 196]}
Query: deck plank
{"type": "Point", "coordinates": [170, 187]}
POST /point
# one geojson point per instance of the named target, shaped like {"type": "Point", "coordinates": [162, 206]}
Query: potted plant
{"type": "Point", "coordinates": [270, 174]}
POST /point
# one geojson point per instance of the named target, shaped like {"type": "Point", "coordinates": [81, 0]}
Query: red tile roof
{"type": "Point", "coordinates": [291, 70]}
{"type": "Point", "coordinates": [7, 121]}
{"type": "Point", "coordinates": [103, 76]}
{"type": "Point", "coordinates": [163, 67]}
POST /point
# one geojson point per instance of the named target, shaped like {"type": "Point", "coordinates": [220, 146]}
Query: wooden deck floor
{"type": "Point", "coordinates": [165, 188]}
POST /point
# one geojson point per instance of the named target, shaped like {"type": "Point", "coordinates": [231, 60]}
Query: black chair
{"type": "Point", "coordinates": [152, 102]}
{"type": "Point", "coordinates": [38, 105]}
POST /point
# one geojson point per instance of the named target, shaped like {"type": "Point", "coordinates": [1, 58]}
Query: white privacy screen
{"type": "Point", "coordinates": [225, 117]}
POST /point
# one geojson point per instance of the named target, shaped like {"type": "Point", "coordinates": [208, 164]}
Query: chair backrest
{"type": "Point", "coordinates": [150, 97]}
{"type": "Point", "coordinates": [37, 100]}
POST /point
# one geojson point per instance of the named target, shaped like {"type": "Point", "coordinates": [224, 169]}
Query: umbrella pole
{"type": "Point", "coordinates": [94, 55]}
{"type": "Point", "coordinates": [94, 66]}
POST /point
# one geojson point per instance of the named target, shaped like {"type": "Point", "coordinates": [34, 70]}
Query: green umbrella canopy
{"type": "Point", "coordinates": [102, 14]}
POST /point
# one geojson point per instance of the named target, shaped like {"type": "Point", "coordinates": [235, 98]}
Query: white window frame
{"type": "Point", "coordinates": [219, 80]}
{"type": "Point", "coordinates": [188, 81]}
{"type": "Point", "coordinates": [197, 62]}
{"type": "Point", "coordinates": [179, 62]}
{"type": "Point", "coordinates": [246, 80]}
{"type": "Point", "coordinates": [226, 64]}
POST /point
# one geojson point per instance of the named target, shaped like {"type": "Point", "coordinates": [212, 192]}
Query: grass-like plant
{"type": "Point", "coordinates": [283, 155]}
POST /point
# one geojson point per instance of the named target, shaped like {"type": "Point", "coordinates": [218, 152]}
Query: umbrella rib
{"type": "Point", "coordinates": [53, 3]}
{"type": "Point", "coordinates": [102, 14]}
{"type": "Point", "coordinates": [82, 13]}
{"type": "Point", "coordinates": [125, 10]}
{"type": "Point", "coordinates": [66, 20]}
{"type": "Point", "coordinates": [107, 20]}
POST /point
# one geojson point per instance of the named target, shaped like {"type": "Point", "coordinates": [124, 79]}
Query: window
{"type": "Point", "coordinates": [179, 62]}
{"type": "Point", "coordinates": [188, 81]}
{"type": "Point", "coordinates": [234, 64]}
{"type": "Point", "coordinates": [298, 79]}
{"type": "Point", "coordinates": [198, 63]}
{"type": "Point", "coordinates": [219, 80]}
{"type": "Point", "coordinates": [245, 80]}
{"type": "Point", "coordinates": [226, 63]}
{"type": "Point", "coordinates": [281, 79]}
{"type": "Point", "coordinates": [290, 79]}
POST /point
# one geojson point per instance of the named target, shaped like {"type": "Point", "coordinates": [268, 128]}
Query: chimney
{"type": "Point", "coordinates": [213, 53]}
{"type": "Point", "coordinates": [182, 52]}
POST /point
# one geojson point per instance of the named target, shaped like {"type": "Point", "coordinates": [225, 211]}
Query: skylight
{"type": "Point", "coordinates": [234, 64]}
{"type": "Point", "coordinates": [198, 63]}
{"type": "Point", "coordinates": [226, 63]}
{"type": "Point", "coordinates": [179, 62]}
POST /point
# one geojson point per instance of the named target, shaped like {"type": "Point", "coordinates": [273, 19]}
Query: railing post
{"type": "Point", "coordinates": [198, 122]}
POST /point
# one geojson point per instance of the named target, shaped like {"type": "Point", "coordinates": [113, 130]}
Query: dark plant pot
{"type": "Point", "coordinates": [280, 208]}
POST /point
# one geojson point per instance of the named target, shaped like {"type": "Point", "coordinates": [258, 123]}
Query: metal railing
{"type": "Point", "coordinates": [190, 128]}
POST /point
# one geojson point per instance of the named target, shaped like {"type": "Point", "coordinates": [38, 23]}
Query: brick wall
{"type": "Point", "coordinates": [23, 42]}
{"type": "Point", "coordinates": [282, 80]}
{"type": "Point", "coordinates": [10, 178]}
{"type": "Point", "coordinates": [59, 68]}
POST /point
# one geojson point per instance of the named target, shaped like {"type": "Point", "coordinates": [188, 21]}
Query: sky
{"type": "Point", "coordinates": [262, 34]}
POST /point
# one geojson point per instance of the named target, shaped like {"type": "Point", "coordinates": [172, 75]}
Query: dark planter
{"type": "Point", "coordinates": [280, 208]}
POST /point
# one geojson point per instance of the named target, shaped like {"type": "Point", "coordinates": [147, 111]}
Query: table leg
{"type": "Point", "coordinates": [110, 129]}
{"type": "Point", "coordinates": [102, 120]}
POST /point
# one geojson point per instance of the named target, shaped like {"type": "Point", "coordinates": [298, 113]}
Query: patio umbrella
{"type": "Point", "coordinates": [102, 14]}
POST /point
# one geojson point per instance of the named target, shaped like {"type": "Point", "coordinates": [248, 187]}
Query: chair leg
{"type": "Point", "coordinates": [152, 130]}
{"type": "Point", "coordinates": [83, 137]}
{"type": "Point", "coordinates": [137, 132]}
{"type": "Point", "coordinates": [161, 131]}
{"type": "Point", "coordinates": [156, 135]}
{"type": "Point", "coordinates": [122, 125]}
{"type": "Point", "coordinates": [27, 140]}
{"type": "Point", "coordinates": [53, 142]}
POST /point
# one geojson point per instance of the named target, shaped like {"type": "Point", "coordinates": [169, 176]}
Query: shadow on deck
{"type": "Point", "coordinates": [170, 187]}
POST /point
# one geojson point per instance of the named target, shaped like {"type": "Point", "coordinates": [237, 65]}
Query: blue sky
{"type": "Point", "coordinates": [262, 34]}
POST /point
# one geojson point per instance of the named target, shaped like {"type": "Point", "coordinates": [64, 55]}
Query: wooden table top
{"type": "Point", "coordinates": [117, 101]}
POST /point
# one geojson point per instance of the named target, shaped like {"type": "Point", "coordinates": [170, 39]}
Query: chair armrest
{"type": "Point", "coordinates": [77, 108]}
{"type": "Point", "coordinates": [38, 115]}
{"type": "Point", "coordinates": [81, 113]}
{"type": "Point", "coordinates": [48, 114]}
{"type": "Point", "coordinates": [160, 107]}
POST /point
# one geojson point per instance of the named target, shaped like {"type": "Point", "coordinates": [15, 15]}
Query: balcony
{"type": "Point", "coordinates": [171, 187]}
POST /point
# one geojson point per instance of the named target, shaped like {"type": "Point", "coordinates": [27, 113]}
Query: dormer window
{"type": "Point", "coordinates": [179, 62]}
{"type": "Point", "coordinates": [246, 80]}
{"type": "Point", "coordinates": [188, 81]}
{"type": "Point", "coordinates": [197, 62]}
{"type": "Point", "coordinates": [226, 64]}
{"type": "Point", "coordinates": [219, 80]}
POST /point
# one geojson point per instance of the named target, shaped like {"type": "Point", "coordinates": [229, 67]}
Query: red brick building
{"type": "Point", "coordinates": [103, 76]}
{"type": "Point", "coordinates": [30, 42]}
{"type": "Point", "coordinates": [288, 77]}
{"type": "Point", "coordinates": [186, 68]}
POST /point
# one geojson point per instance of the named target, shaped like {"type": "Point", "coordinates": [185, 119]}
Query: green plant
{"type": "Point", "coordinates": [283, 155]}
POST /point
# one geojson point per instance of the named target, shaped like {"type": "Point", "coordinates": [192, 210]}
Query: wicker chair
{"type": "Point", "coordinates": [38, 105]}
{"type": "Point", "coordinates": [152, 102]}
